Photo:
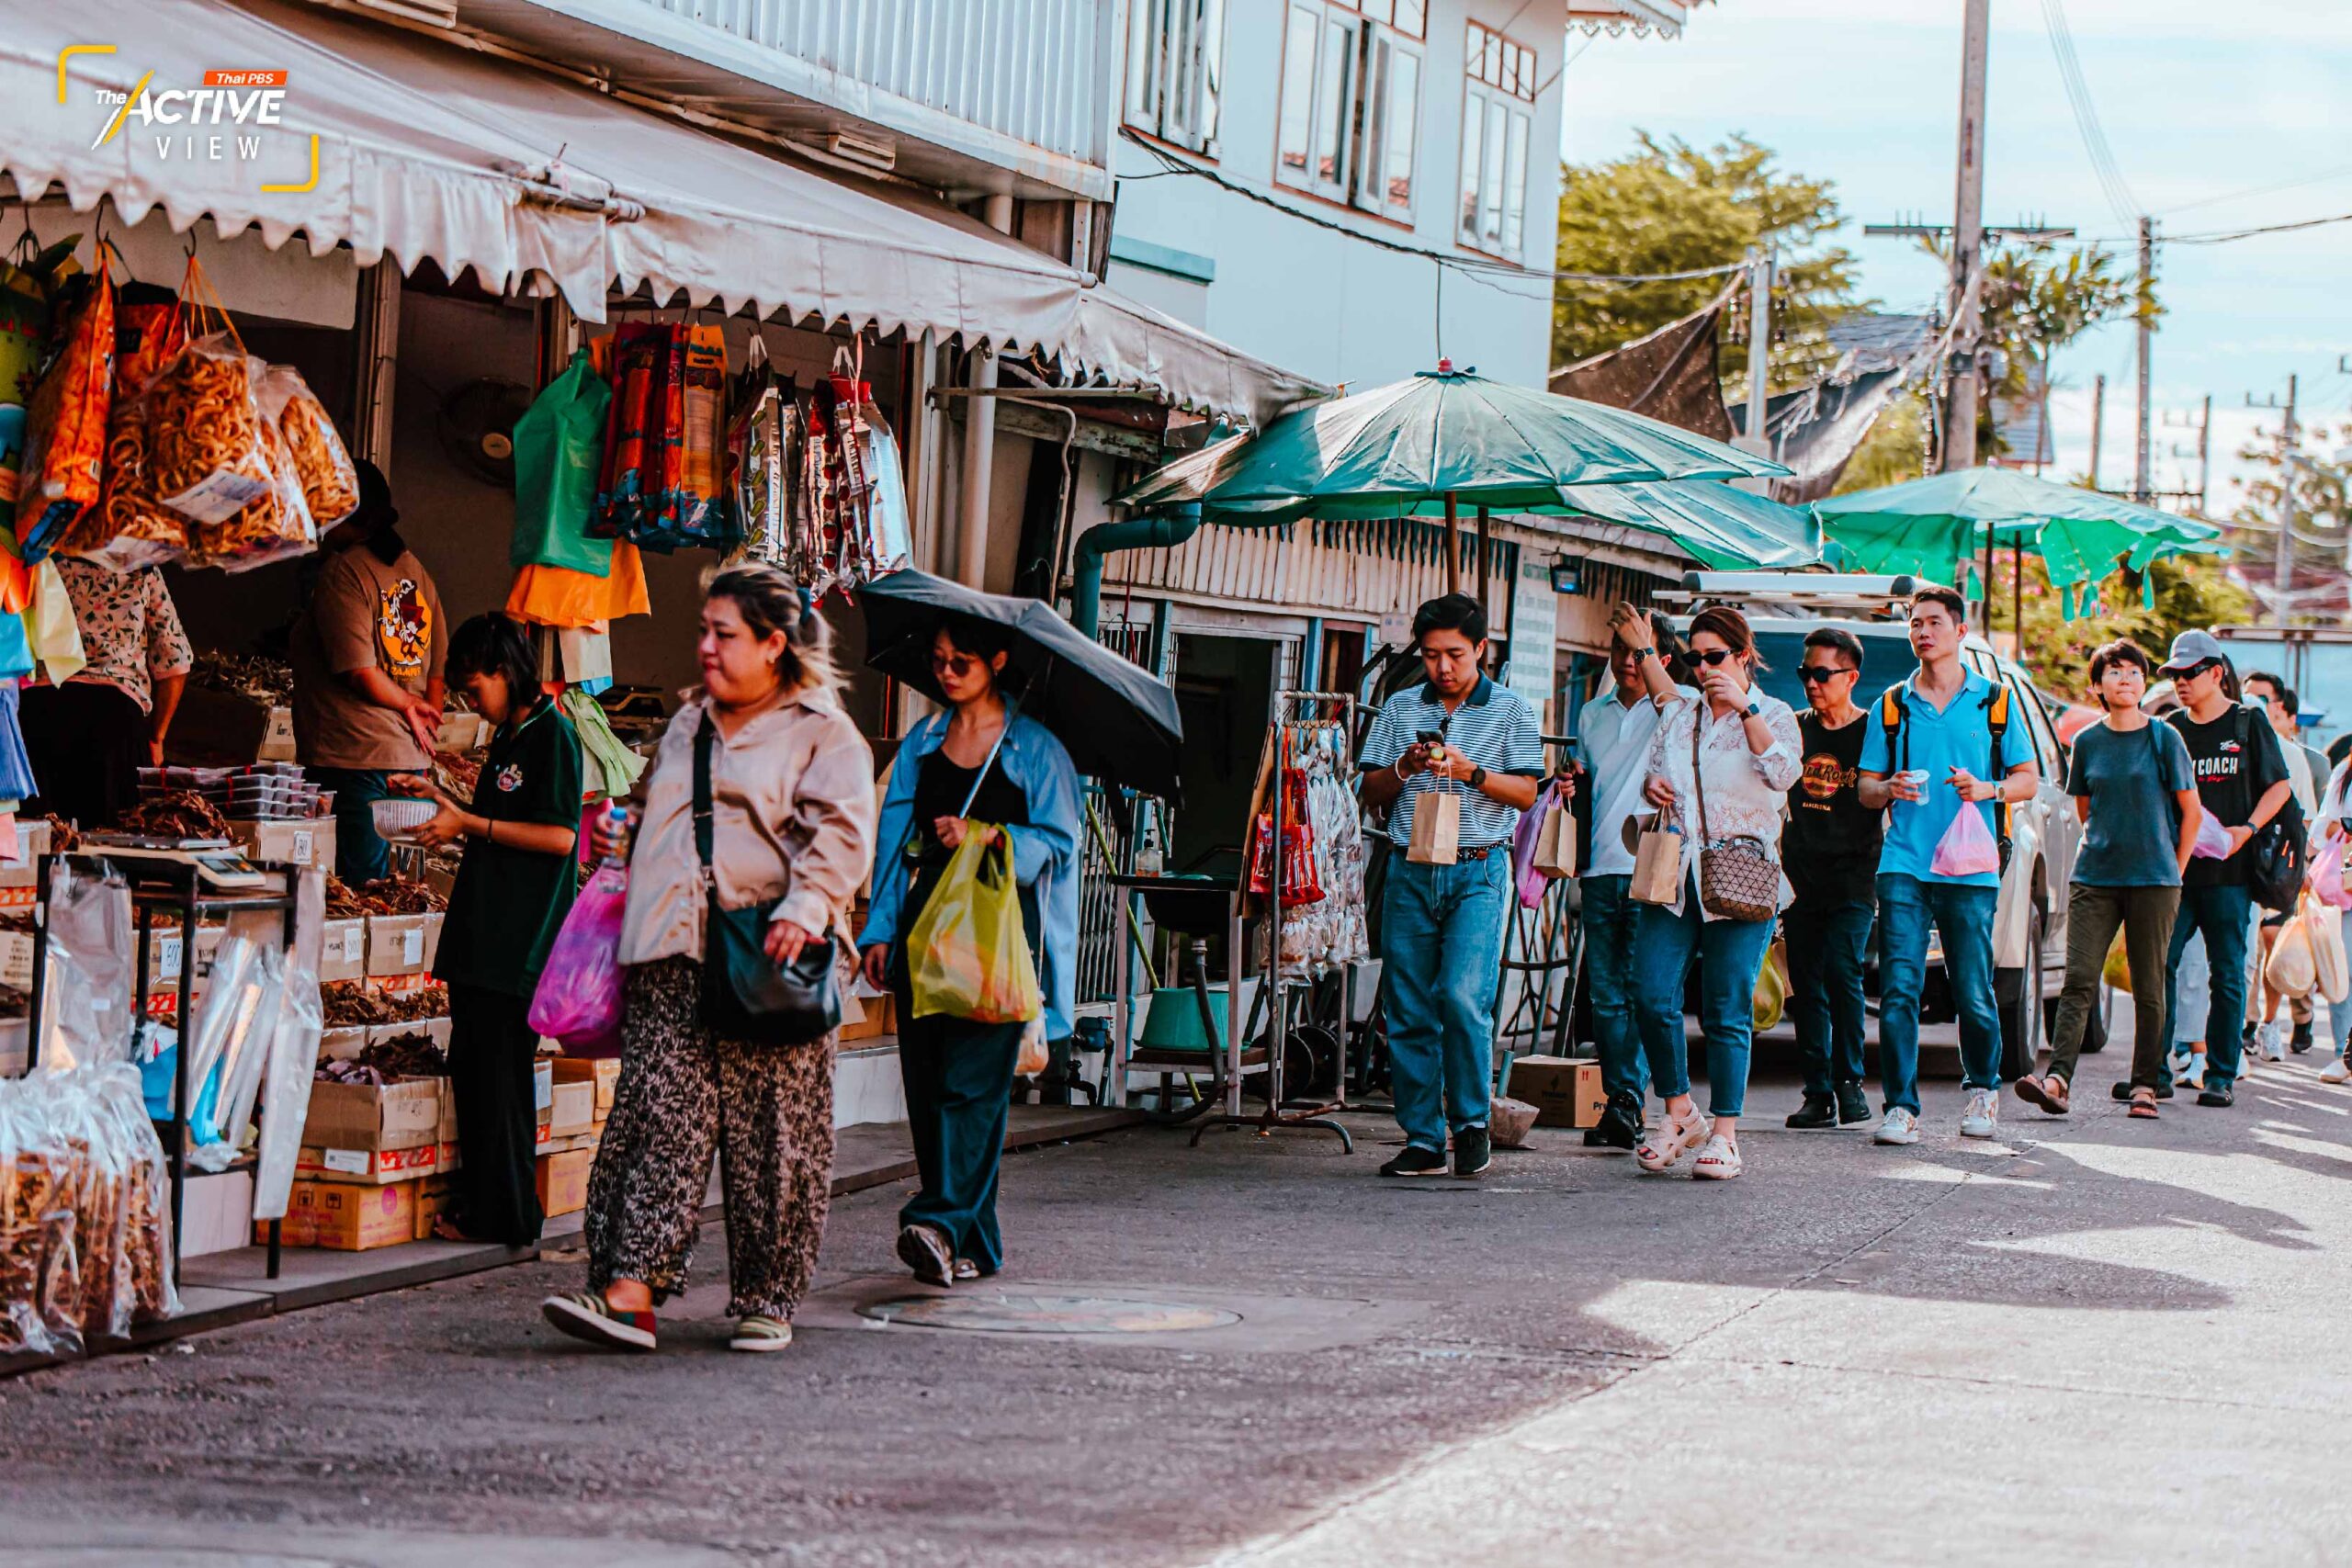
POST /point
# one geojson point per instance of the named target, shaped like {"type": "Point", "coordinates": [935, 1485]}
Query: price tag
{"type": "Point", "coordinates": [355, 942]}
{"type": "Point", "coordinates": [167, 956]}
{"type": "Point", "coordinates": [16, 960]}
{"type": "Point", "coordinates": [301, 855]}
{"type": "Point", "coordinates": [347, 1162]}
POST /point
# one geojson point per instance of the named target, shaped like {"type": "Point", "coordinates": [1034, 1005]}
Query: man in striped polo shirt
{"type": "Point", "coordinates": [1441, 926]}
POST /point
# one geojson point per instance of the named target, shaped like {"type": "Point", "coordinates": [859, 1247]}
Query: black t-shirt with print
{"type": "Point", "coordinates": [1829, 849]}
{"type": "Point", "coordinates": [2236, 760]}
{"type": "Point", "coordinates": [509, 903]}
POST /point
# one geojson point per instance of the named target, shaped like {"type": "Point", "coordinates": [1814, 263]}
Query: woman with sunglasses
{"type": "Point", "coordinates": [978, 770]}
{"type": "Point", "coordinates": [1720, 768]}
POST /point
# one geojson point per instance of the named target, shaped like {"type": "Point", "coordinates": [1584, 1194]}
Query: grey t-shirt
{"type": "Point", "coordinates": [2133, 835]}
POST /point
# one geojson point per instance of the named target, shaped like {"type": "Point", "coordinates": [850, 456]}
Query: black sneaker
{"type": "Point", "coordinates": [2301, 1041]}
{"type": "Point", "coordinates": [1620, 1126]}
{"type": "Point", "coordinates": [1416, 1160]}
{"type": "Point", "coordinates": [2123, 1091]}
{"type": "Point", "coordinates": [1818, 1110]}
{"type": "Point", "coordinates": [2220, 1099]}
{"type": "Point", "coordinates": [1473, 1152]}
{"type": "Point", "coordinates": [1853, 1105]}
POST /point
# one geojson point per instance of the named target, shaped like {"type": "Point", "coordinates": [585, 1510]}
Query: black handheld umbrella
{"type": "Point", "coordinates": [1118, 721]}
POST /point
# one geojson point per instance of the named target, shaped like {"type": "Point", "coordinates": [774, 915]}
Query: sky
{"type": "Point", "coordinates": [2209, 110]}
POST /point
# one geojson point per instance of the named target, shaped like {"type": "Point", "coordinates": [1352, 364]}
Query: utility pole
{"type": "Point", "coordinates": [1968, 233]}
{"type": "Point", "coordinates": [1760, 267]}
{"type": "Point", "coordinates": [2098, 420]}
{"type": "Point", "coordinates": [2205, 458]}
{"type": "Point", "coordinates": [2289, 454]}
{"type": "Point", "coordinates": [2140, 481]}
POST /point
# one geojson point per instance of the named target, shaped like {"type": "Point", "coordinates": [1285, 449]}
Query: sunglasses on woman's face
{"type": "Point", "coordinates": [955, 664]}
{"type": "Point", "coordinates": [1712, 655]}
{"type": "Point", "coordinates": [1821, 675]}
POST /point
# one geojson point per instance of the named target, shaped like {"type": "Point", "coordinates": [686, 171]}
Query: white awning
{"type": "Point", "coordinates": [427, 151]}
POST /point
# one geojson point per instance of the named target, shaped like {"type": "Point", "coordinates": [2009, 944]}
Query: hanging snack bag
{"type": "Point", "coordinates": [66, 427]}
{"type": "Point", "coordinates": [272, 526]}
{"type": "Point", "coordinates": [206, 451]}
{"type": "Point", "coordinates": [321, 463]}
{"type": "Point", "coordinates": [633, 436]}
{"type": "Point", "coordinates": [129, 528]}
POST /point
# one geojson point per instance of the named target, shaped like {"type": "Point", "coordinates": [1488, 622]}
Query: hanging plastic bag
{"type": "Point", "coordinates": [578, 1002]}
{"type": "Point", "coordinates": [66, 424]}
{"type": "Point", "coordinates": [1525, 877]}
{"type": "Point", "coordinates": [321, 463]}
{"type": "Point", "coordinates": [2212, 838]}
{"type": "Point", "coordinates": [207, 458]}
{"type": "Point", "coordinates": [2327, 874]}
{"type": "Point", "coordinates": [559, 445]}
{"type": "Point", "coordinates": [969, 952]}
{"type": "Point", "coordinates": [1967, 848]}
{"type": "Point", "coordinates": [2292, 968]}
{"type": "Point", "coordinates": [270, 528]}
{"type": "Point", "coordinates": [129, 528]}
{"type": "Point", "coordinates": [51, 628]}
{"type": "Point", "coordinates": [293, 1052]}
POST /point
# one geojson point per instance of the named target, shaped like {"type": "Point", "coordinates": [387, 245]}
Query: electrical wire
{"type": "Point", "coordinates": [2119, 199]}
{"type": "Point", "coordinates": [2223, 237]}
{"type": "Point", "coordinates": [2250, 192]}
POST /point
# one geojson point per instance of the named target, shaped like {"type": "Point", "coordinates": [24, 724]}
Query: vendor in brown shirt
{"type": "Point", "coordinates": [368, 654]}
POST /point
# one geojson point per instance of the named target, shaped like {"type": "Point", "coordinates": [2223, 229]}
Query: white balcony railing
{"type": "Point", "coordinates": [1030, 72]}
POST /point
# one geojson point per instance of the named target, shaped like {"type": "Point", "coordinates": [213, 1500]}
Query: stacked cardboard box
{"type": "Point", "coordinates": [572, 1124]}
{"type": "Point", "coordinates": [366, 1150]}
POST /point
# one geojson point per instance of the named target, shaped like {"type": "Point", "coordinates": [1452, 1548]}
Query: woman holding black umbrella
{"type": "Point", "coordinates": [980, 769]}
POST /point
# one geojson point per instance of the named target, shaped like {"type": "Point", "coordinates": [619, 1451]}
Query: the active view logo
{"type": "Point", "coordinates": [235, 114]}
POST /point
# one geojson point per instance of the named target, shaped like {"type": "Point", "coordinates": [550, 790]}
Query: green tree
{"type": "Point", "coordinates": [2323, 507]}
{"type": "Point", "coordinates": [2036, 302]}
{"type": "Point", "coordinates": [1671, 207]}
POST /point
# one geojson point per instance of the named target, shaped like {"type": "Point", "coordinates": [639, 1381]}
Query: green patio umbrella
{"type": "Point", "coordinates": [1725, 529]}
{"type": "Point", "coordinates": [1926, 526]}
{"type": "Point", "coordinates": [1431, 443]}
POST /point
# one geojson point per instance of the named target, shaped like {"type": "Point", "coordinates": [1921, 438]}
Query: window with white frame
{"type": "Point", "coordinates": [1349, 122]}
{"type": "Point", "coordinates": [1176, 70]}
{"type": "Point", "coordinates": [1498, 122]}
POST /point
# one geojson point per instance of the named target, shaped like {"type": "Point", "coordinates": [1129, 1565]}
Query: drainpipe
{"type": "Point", "coordinates": [979, 441]}
{"type": "Point", "coordinates": [1155, 530]}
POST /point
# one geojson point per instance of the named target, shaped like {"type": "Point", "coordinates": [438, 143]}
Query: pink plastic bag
{"type": "Point", "coordinates": [1967, 848]}
{"type": "Point", "coordinates": [579, 1000]}
{"type": "Point", "coordinates": [1530, 882]}
{"type": "Point", "coordinates": [2212, 838]}
{"type": "Point", "coordinates": [2327, 876]}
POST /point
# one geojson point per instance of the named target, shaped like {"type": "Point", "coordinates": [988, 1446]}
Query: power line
{"type": "Point", "coordinates": [2119, 199]}
{"type": "Point", "coordinates": [2223, 237]}
{"type": "Point", "coordinates": [2251, 191]}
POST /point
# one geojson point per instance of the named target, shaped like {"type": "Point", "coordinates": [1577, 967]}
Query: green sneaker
{"type": "Point", "coordinates": [759, 1333]}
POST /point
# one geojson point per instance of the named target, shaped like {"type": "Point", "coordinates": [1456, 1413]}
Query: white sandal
{"type": "Point", "coordinates": [1670, 1141]}
{"type": "Point", "coordinates": [1719, 1161]}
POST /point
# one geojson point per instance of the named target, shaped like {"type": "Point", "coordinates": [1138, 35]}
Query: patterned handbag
{"type": "Point", "coordinates": [1738, 879]}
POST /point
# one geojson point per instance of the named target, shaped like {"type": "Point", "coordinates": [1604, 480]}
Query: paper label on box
{"type": "Point", "coordinates": [168, 954]}
{"type": "Point", "coordinates": [217, 496]}
{"type": "Point", "coordinates": [16, 960]}
{"type": "Point", "coordinates": [301, 855]}
{"type": "Point", "coordinates": [350, 1162]}
{"type": "Point", "coordinates": [412, 945]}
{"type": "Point", "coordinates": [355, 942]}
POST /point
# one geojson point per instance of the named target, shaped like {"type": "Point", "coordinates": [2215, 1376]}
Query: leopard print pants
{"type": "Point", "coordinates": [770, 1112]}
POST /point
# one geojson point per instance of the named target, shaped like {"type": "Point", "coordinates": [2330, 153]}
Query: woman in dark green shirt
{"type": "Point", "coordinates": [513, 889]}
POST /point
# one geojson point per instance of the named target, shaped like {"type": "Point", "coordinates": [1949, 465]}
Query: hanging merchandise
{"type": "Point", "coordinates": [1323, 924]}
{"type": "Point", "coordinates": [16, 647]}
{"type": "Point", "coordinates": [129, 528]}
{"type": "Point", "coordinates": [660, 485]}
{"type": "Point", "coordinates": [50, 627]}
{"type": "Point", "coordinates": [322, 464]}
{"type": "Point", "coordinates": [66, 424]}
{"type": "Point", "coordinates": [584, 657]}
{"type": "Point", "coordinates": [762, 479]}
{"type": "Point", "coordinates": [559, 445]}
{"type": "Point", "coordinates": [612, 768]}
{"type": "Point", "coordinates": [276, 525]}
{"type": "Point", "coordinates": [892, 531]}
{"type": "Point", "coordinates": [29, 280]}
{"type": "Point", "coordinates": [555, 596]}
{"type": "Point", "coordinates": [205, 456]}
{"type": "Point", "coordinates": [17, 781]}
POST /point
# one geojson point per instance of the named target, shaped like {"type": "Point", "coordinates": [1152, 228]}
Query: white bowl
{"type": "Point", "coordinates": [401, 815]}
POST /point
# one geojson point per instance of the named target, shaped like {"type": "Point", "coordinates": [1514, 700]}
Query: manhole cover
{"type": "Point", "coordinates": [1010, 1312]}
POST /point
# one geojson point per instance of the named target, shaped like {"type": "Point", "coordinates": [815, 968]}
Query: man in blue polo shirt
{"type": "Point", "coordinates": [1441, 926]}
{"type": "Point", "coordinates": [1941, 742]}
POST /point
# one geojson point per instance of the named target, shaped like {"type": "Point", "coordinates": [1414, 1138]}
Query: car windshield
{"type": "Point", "coordinates": [1886, 659]}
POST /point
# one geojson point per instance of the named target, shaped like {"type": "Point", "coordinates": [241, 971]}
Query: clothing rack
{"type": "Point", "coordinates": [1297, 716]}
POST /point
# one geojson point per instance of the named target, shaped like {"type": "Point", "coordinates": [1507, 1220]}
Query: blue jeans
{"type": "Point", "coordinates": [1441, 948]}
{"type": "Point", "coordinates": [2222, 914]}
{"type": "Point", "coordinates": [1609, 919]}
{"type": "Point", "coordinates": [360, 857]}
{"type": "Point", "coordinates": [1963, 916]}
{"type": "Point", "coordinates": [1730, 955]}
{"type": "Point", "coordinates": [1825, 947]}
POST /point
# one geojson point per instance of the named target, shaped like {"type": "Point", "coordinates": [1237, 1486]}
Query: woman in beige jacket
{"type": "Point", "coordinates": [792, 790]}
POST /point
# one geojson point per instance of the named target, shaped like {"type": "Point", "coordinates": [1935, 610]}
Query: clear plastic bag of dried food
{"type": "Point", "coordinates": [86, 1000]}
{"type": "Point", "coordinates": [146, 1199]}
{"type": "Point", "coordinates": [322, 464]}
{"type": "Point", "coordinates": [93, 1184]}
{"type": "Point", "coordinates": [207, 455]}
{"type": "Point", "coordinates": [26, 1188]}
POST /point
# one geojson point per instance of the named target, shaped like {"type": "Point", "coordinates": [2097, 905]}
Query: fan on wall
{"type": "Point", "coordinates": [475, 424]}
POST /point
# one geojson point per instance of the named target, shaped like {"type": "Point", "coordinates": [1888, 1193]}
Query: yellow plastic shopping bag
{"type": "Point", "coordinates": [968, 955]}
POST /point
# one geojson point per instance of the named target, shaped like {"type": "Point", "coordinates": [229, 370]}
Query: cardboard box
{"type": "Point", "coordinates": [603, 1072]}
{"type": "Point", "coordinates": [277, 737]}
{"type": "Point", "coordinates": [342, 954]}
{"type": "Point", "coordinates": [434, 922]}
{"type": "Point", "coordinates": [343, 1044]}
{"type": "Point", "coordinates": [563, 1181]}
{"type": "Point", "coordinates": [434, 1195]}
{"type": "Point", "coordinates": [396, 945]}
{"type": "Point", "coordinates": [287, 843]}
{"type": "Point", "coordinates": [879, 1020]}
{"type": "Point", "coordinates": [374, 1167]}
{"type": "Point", "coordinates": [1565, 1091]}
{"type": "Point", "coordinates": [164, 952]}
{"type": "Point", "coordinates": [349, 1218]}
{"type": "Point", "coordinates": [368, 1116]}
{"type": "Point", "coordinates": [573, 1111]}
{"type": "Point", "coordinates": [543, 1089]}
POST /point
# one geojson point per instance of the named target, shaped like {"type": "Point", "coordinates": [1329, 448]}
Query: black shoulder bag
{"type": "Point", "coordinates": [2279, 852]}
{"type": "Point", "coordinates": [744, 996]}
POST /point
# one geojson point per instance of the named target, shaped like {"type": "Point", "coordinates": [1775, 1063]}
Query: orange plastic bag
{"type": "Point", "coordinates": [555, 596]}
{"type": "Point", "coordinates": [65, 425]}
{"type": "Point", "coordinates": [129, 528]}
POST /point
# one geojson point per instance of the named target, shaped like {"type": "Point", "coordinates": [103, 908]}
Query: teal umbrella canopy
{"type": "Point", "coordinates": [1403, 448]}
{"type": "Point", "coordinates": [1726, 529]}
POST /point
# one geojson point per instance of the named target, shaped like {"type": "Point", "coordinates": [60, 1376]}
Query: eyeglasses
{"type": "Point", "coordinates": [1713, 655]}
{"type": "Point", "coordinates": [954, 664]}
{"type": "Point", "coordinates": [1821, 675]}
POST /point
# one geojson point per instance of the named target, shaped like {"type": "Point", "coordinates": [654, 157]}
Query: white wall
{"type": "Point", "coordinates": [1327, 304]}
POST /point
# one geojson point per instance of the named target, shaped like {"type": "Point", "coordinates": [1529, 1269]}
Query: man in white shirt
{"type": "Point", "coordinates": [1613, 738]}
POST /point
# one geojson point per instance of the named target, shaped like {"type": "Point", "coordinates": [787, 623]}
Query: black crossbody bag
{"type": "Point", "coordinates": [744, 995]}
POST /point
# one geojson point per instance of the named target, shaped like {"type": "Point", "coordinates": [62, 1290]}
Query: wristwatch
{"type": "Point", "coordinates": [1642, 653]}
{"type": "Point", "coordinates": [1755, 704]}
{"type": "Point", "coordinates": [1477, 778]}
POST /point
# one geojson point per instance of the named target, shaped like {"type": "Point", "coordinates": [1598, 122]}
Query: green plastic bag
{"type": "Point", "coordinates": [968, 955]}
{"type": "Point", "coordinates": [558, 450]}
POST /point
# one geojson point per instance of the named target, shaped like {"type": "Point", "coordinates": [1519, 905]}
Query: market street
{"type": "Point", "coordinates": [2125, 1321]}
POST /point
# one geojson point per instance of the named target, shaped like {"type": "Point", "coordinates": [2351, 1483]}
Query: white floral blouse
{"type": "Point", "coordinates": [1746, 791]}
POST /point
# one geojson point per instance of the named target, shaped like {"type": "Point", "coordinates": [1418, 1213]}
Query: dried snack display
{"type": "Point", "coordinates": [321, 463]}
{"type": "Point", "coordinates": [177, 814]}
{"type": "Point", "coordinates": [66, 424]}
{"type": "Point", "coordinates": [256, 675]}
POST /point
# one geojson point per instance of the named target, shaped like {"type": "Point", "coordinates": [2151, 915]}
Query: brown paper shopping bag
{"type": "Point", "coordinates": [1657, 864]}
{"type": "Point", "coordinates": [1556, 843]}
{"type": "Point", "coordinates": [1437, 827]}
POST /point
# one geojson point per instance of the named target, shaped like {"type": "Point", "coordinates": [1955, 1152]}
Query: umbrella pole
{"type": "Point", "coordinates": [1453, 545]}
{"type": "Point", "coordinates": [1485, 568]}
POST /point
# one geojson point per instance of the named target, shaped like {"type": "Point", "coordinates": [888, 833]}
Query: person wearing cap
{"type": "Point", "coordinates": [1943, 742]}
{"type": "Point", "coordinates": [369, 652]}
{"type": "Point", "coordinates": [2242, 782]}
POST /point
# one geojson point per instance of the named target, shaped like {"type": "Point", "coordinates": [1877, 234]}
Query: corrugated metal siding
{"type": "Point", "coordinates": [1358, 570]}
{"type": "Point", "coordinates": [1023, 68]}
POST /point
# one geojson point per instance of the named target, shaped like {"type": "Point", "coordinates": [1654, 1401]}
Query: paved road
{"type": "Point", "coordinates": [2099, 1341]}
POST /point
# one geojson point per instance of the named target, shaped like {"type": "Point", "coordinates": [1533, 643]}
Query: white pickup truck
{"type": "Point", "coordinates": [2029, 930]}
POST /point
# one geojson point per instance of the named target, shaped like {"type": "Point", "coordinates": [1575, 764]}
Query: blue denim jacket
{"type": "Point", "coordinates": [1045, 853]}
